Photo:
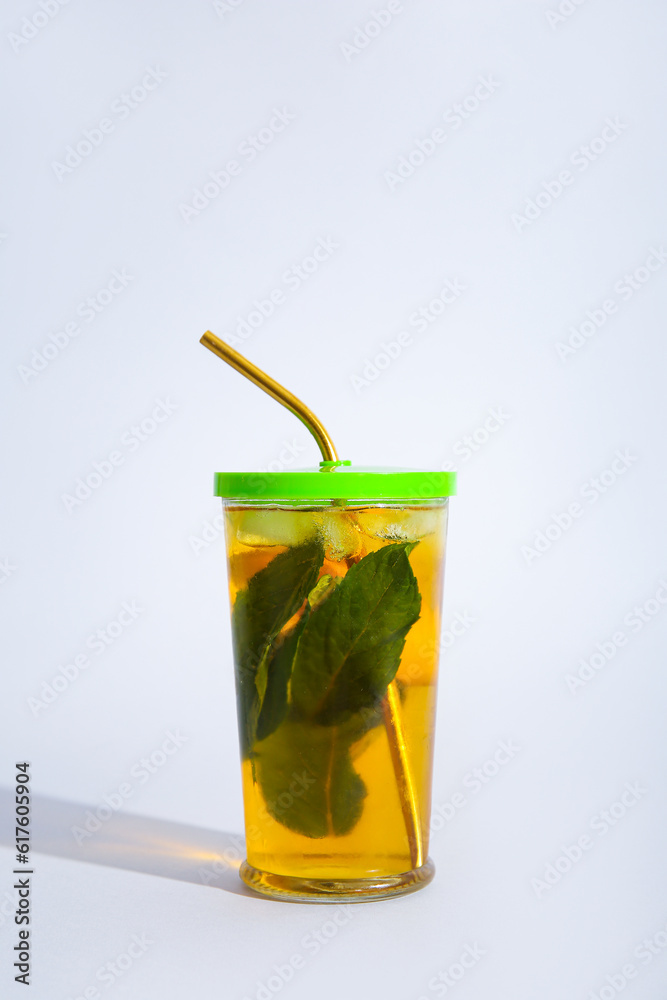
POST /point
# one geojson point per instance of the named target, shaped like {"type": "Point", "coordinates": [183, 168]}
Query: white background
{"type": "Point", "coordinates": [458, 216]}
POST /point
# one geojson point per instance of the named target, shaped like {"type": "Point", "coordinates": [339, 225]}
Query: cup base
{"type": "Point", "coordinates": [352, 890]}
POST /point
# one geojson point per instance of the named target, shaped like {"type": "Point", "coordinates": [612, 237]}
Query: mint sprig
{"type": "Point", "coordinates": [307, 697]}
{"type": "Point", "coordinates": [351, 645]}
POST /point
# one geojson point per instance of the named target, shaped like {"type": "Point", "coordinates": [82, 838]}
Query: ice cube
{"type": "Point", "coordinates": [275, 527]}
{"type": "Point", "coordinates": [399, 525]}
{"type": "Point", "coordinates": [339, 533]}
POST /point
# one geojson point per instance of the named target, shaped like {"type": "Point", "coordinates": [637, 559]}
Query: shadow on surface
{"type": "Point", "coordinates": [135, 843]}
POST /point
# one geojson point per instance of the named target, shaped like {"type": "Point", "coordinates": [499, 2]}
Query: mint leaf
{"type": "Point", "coordinates": [307, 698]}
{"type": "Point", "coordinates": [273, 700]}
{"type": "Point", "coordinates": [351, 645]}
{"type": "Point", "coordinates": [261, 610]}
{"type": "Point", "coordinates": [308, 781]}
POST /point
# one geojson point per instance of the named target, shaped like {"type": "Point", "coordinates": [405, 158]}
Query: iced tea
{"type": "Point", "coordinates": [332, 604]}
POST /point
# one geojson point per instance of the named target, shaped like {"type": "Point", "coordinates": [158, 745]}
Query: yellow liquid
{"type": "Point", "coordinates": [378, 844]}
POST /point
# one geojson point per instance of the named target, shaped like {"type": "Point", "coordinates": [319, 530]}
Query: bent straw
{"type": "Point", "coordinates": [391, 703]}
{"type": "Point", "coordinates": [274, 389]}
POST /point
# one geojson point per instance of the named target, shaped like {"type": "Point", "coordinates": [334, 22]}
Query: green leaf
{"type": "Point", "coordinates": [308, 781]}
{"type": "Point", "coordinates": [273, 700]}
{"type": "Point", "coordinates": [261, 610]}
{"type": "Point", "coordinates": [351, 645]}
{"type": "Point", "coordinates": [335, 665]}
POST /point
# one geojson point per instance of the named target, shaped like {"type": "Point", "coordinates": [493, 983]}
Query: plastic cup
{"type": "Point", "coordinates": [335, 580]}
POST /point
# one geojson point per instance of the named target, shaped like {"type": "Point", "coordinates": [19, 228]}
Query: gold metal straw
{"type": "Point", "coordinates": [391, 703]}
{"type": "Point", "coordinates": [274, 389]}
{"type": "Point", "coordinates": [391, 711]}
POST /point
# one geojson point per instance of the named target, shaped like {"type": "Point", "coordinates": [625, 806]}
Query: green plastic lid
{"type": "Point", "coordinates": [336, 481]}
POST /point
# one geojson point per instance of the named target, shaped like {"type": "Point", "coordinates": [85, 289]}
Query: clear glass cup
{"type": "Point", "coordinates": [336, 627]}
